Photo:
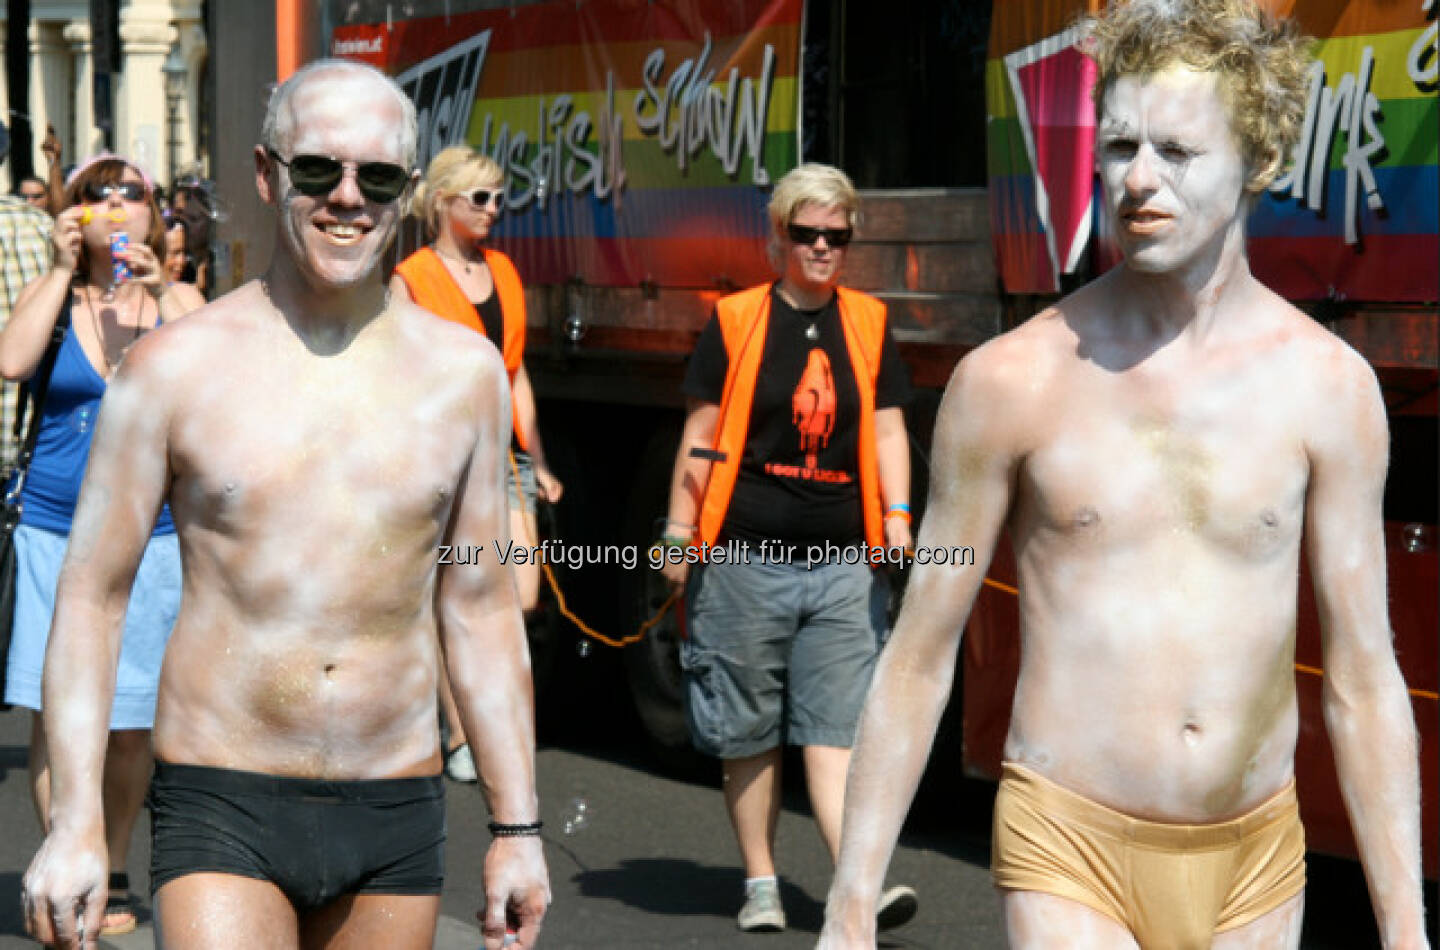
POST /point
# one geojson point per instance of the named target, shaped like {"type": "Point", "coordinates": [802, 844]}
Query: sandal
{"type": "Point", "coordinates": [119, 907]}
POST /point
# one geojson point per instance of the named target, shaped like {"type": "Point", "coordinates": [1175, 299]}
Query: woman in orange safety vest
{"type": "Point", "coordinates": [791, 487]}
{"type": "Point", "coordinates": [460, 279]}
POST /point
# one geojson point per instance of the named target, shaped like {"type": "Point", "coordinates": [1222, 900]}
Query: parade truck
{"type": "Point", "coordinates": [640, 140]}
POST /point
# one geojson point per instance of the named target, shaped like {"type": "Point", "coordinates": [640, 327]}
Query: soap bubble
{"type": "Point", "coordinates": [577, 817]}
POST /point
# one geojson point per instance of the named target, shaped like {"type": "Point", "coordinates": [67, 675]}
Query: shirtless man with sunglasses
{"type": "Point", "coordinates": [318, 440]}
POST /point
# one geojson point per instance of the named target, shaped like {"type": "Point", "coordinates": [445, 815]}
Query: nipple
{"type": "Point", "coordinates": [1087, 517]}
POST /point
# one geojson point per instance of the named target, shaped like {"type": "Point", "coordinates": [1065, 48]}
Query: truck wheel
{"type": "Point", "coordinates": [652, 665]}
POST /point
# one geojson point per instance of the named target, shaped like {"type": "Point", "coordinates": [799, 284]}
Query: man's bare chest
{"type": "Point", "coordinates": [319, 453]}
{"type": "Point", "coordinates": [1223, 464]}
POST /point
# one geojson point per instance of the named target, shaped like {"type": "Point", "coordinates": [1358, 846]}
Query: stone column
{"type": "Point", "coordinates": [190, 30]}
{"type": "Point", "coordinates": [51, 89]}
{"type": "Point", "coordinates": [88, 139]}
{"type": "Point", "coordinates": [140, 126]}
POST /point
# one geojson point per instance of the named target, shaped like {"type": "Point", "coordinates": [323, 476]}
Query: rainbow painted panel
{"type": "Point", "coordinates": [625, 122]}
{"type": "Point", "coordinates": [1363, 176]}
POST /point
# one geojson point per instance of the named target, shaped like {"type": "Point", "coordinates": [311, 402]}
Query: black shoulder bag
{"type": "Point", "coordinates": [33, 394]}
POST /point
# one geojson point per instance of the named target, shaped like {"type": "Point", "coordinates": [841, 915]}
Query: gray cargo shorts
{"type": "Point", "coordinates": [778, 653]}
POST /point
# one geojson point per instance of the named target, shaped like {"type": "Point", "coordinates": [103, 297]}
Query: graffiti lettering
{"type": "Point", "coordinates": [443, 90]}
{"type": "Point", "coordinates": [1422, 63]}
{"type": "Point", "coordinates": [569, 150]}
{"type": "Point", "coordinates": [562, 158]}
{"type": "Point", "coordinates": [1349, 107]}
{"type": "Point", "coordinates": [688, 111]}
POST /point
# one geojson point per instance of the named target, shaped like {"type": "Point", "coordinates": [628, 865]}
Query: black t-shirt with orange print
{"type": "Point", "coordinates": [798, 482]}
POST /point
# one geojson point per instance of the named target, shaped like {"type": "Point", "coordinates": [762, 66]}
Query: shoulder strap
{"type": "Point", "coordinates": [32, 391]}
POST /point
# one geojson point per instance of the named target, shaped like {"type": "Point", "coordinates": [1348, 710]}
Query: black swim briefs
{"type": "Point", "coordinates": [314, 839]}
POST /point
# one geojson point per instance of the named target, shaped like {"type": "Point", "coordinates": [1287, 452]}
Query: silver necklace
{"type": "Point", "coordinates": [812, 332]}
{"type": "Point", "coordinates": [462, 261]}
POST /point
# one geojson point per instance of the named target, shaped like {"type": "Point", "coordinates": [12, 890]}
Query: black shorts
{"type": "Point", "coordinates": [314, 839]}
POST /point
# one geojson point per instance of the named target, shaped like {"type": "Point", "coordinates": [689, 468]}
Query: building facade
{"type": "Point", "coordinates": [132, 108]}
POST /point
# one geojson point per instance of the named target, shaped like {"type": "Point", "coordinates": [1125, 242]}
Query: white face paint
{"type": "Point", "coordinates": [337, 239]}
{"type": "Point", "coordinates": [1173, 173]}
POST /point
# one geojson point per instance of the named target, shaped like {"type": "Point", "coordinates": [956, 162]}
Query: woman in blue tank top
{"type": "Point", "coordinates": [107, 285]}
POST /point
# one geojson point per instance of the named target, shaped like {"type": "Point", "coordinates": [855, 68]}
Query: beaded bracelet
{"type": "Point", "coordinates": [528, 829]}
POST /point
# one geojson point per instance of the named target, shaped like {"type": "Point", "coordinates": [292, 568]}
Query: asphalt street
{"type": "Point", "coordinates": [653, 865]}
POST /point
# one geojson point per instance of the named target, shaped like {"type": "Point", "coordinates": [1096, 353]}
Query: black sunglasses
{"type": "Point", "coordinates": [481, 197]}
{"type": "Point", "coordinates": [835, 237]}
{"type": "Point", "coordinates": [315, 175]}
{"type": "Point", "coordinates": [129, 190]}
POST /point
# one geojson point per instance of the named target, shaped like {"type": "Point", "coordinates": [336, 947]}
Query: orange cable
{"type": "Point", "coordinates": [1301, 667]}
{"type": "Point", "coordinates": [1417, 693]}
{"type": "Point", "coordinates": [594, 634]}
{"type": "Point", "coordinates": [999, 586]}
{"type": "Point", "coordinates": [569, 615]}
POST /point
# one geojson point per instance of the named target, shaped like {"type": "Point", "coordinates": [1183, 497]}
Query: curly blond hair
{"type": "Point", "coordinates": [453, 171]}
{"type": "Point", "coordinates": [1262, 62]}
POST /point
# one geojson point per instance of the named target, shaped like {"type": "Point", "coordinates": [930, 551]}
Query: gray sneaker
{"type": "Point", "coordinates": [460, 765]}
{"type": "Point", "coordinates": [896, 907]}
{"type": "Point", "coordinates": [762, 912]}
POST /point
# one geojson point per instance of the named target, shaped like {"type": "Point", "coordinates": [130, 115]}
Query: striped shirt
{"type": "Point", "coordinates": [24, 256]}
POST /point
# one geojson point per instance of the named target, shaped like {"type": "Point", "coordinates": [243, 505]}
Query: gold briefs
{"type": "Point", "coordinates": [1174, 886]}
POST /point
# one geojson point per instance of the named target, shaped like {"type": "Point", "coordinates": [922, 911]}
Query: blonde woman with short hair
{"type": "Point", "coordinates": [794, 456]}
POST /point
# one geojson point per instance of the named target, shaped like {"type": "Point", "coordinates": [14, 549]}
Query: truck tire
{"type": "Point", "coordinates": [652, 666]}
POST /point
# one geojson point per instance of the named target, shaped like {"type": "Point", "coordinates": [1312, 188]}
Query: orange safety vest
{"type": "Point", "coordinates": [434, 289]}
{"type": "Point", "coordinates": [744, 319]}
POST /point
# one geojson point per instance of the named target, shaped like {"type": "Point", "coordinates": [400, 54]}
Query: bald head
{"type": "Point", "coordinates": [357, 85]}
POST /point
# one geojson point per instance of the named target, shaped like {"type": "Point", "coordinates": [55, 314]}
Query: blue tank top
{"type": "Point", "coordinates": [62, 447]}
